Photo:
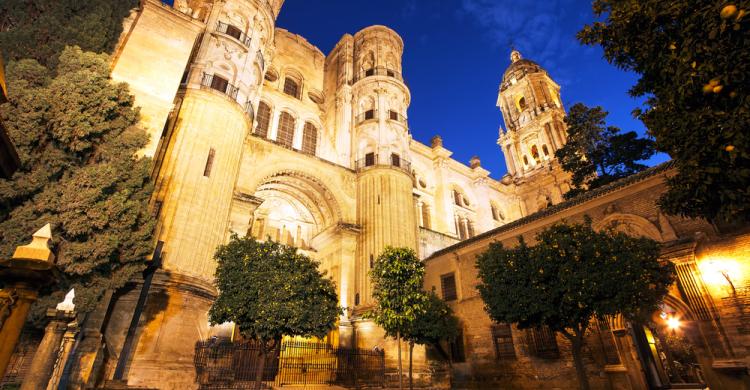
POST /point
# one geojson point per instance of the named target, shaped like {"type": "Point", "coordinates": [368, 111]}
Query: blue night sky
{"type": "Point", "coordinates": [456, 52]}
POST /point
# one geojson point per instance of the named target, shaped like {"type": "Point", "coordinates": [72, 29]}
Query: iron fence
{"type": "Point", "coordinates": [366, 116]}
{"type": "Point", "coordinates": [234, 32]}
{"type": "Point", "coordinates": [219, 84]}
{"type": "Point", "coordinates": [225, 365]}
{"type": "Point", "coordinates": [376, 160]}
{"type": "Point", "coordinates": [378, 71]}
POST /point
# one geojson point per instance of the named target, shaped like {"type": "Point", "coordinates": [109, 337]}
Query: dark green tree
{"type": "Point", "coordinates": [269, 290]}
{"type": "Point", "coordinates": [77, 137]}
{"type": "Point", "coordinates": [40, 29]}
{"type": "Point", "coordinates": [571, 276]}
{"type": "Point", "coordinates": [397, 278]}
{"type": "Point", "coordinates": [693, 58]}
{"type": "Point", "coordinates": [597, 154]}
{"type": "Point", "coordinates": [435, 324]}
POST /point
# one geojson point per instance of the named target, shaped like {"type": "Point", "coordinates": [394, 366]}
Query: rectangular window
{"type": "Point", "coordinates": [393, 115]}
{"type": "Point", "coordinates": [369, 114]}
{"type": "Point", "coordinates": [395, 160]}
{"type": "Point", "coordinates": [448, 287]}
{"type": "Point", "coordinates": [372, 261]}
{"type": "Point", "coordinates": [219, 83]}
{"type": "Point", "coordinates": [370, 72]}
{"type": "Point", "coordinates": [234, 32]}
{"type": "Point", "coordinates": [542, 343]}
{"type": "Point", "coordinates": [209, 163]}
{"type": "Point", "coordinates": [502, 337]}
{"type": "Point", "coordinates": [369, 159]}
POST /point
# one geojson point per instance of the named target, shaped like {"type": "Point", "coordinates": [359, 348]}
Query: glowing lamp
{"type": "Point", "coordinates": [673, 323]}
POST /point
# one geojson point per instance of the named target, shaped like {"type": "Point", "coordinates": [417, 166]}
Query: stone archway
{"type": "Point", "coordinates": [292, 207]}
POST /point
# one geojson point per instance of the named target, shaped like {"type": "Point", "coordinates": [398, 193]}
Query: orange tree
{"type": "Point", "coordinates": [571, 276]}
{"type": "Point", "coordinates": [269, 291]}
{"type": "Point", "coordinates": [397, 277]}
{"type": "Point", "coordinates": [693, 58]}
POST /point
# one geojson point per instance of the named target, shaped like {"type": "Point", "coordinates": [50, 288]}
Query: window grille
{"type": "Point", "coordinates": [448, 286]}
{"type": "Point", "coordinates": [291, 87]}
{"type": "Point", "coordinates": [369, 159]}
{"type": "Point", "coordinates": [285, 135]}
{"type": "Point", "coordinates": [309, 138]}
{"type": "Point", "coordinates": [264, 119]}
{"type": "Point", "coordinates": [502, 337]}
{"type": "Point", "coordinates": [542, 343]}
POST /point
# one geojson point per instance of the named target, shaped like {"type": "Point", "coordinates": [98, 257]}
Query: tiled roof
{"type": "Point", "coordinates": [585, 197]}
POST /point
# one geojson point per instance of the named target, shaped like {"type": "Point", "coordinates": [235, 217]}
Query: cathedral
{"type": "Point", "coordinates": [255, 131]}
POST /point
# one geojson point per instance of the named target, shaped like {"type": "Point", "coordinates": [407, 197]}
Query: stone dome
{"type": "Point", "coordinates": [518, 68]}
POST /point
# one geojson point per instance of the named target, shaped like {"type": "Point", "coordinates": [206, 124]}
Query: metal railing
{"type": "Point", "coordinates": [378, 71]}
{"type": "Point", "coordinates": [375, 160]}
{"type": "Point", "coordinates": [234, 32]}
{"type": "Point", "coordinates": [219, 84]}
{"type": "Point", "coordinates": [366, 116]}
{"type": "Point", "coordinates": [226, 365]}
{"type": "Point", "coordinates": [396, 116]}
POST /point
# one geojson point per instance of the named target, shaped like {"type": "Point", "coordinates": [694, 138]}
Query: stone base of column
{"type": "Point", "coordinates": [174, 319]}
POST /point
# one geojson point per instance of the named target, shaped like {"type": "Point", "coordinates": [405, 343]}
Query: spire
{"type": "Point", "coordinates": [515, 55]}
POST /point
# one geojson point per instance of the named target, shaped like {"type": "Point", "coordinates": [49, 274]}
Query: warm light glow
{"type": "Point", "coordinates": [673, 323]}
{"type": "Point", "coordinates": [720, 271]}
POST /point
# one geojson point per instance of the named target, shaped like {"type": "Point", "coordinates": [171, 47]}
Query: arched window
{"type": "Point", "coordinates": [291, 87]}
{"type": "Point", "coordinates": [309, 138]}
{"type": "Point", "coordinates": [525, 160]}
{"type": "Point", "coordinates": [494, 212]}
{"type": "Point", "coordinates": [545, 150]}
{"type": "Point", "coordinates": [285, 134]}
{"type": "Point", "coordinates": [264, 119]}
{"type": "Point", "coordinates": [522, 103]}
{"type": "Point", "coordinates": [535, 152]}
{"type": "Point", "coordinates": [470, 228]}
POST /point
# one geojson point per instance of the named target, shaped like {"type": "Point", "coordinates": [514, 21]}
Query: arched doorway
{"type": "Point", "coordinates": [669, 345]}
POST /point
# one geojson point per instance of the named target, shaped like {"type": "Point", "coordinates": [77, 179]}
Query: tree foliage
{"type": "Point", "coordinates": [436, 323]}
{"type": "Point", "coordinates": [40, 29]}
{"type": "Point", "coordinates": [269, 290]}
{"type": "Point", "coordinates": [571, 276]}
{"type": "Point", "coordinates": [693, 58]}
{"type": "Point", "coordinates": [397, 277]}
{"type": "Point", "coordinates": [77, 137]}
{"type": "Point", "coordinates": [597, 154]}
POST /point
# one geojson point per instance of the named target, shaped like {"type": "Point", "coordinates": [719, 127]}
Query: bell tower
{"type": "Point", "coordinates": [533, 114]}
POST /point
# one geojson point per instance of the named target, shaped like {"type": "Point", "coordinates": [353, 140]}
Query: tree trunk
{"type": "Point", "coordinates": [411, 350]}
{"type": "Point", "coordinates": [400, 371]}
{"type": "Point", "coordinates": [583, 380]}
{"type": "Point", "coordinates": [261, 366]}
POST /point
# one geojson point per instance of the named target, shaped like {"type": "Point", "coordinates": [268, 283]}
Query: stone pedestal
{"type": "Point", "coordinates": [47, 352]}
{"type": "Point", "coordinates": [174, 319]}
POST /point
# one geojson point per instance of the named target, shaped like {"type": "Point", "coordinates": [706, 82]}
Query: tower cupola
{"type": "Point", "coordinates": [530, 103]}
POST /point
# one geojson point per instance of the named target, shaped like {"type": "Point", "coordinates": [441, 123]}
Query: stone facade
{"type": "Point", "coordinates": [709, 300]}
{"type": "Point", "coordinates": [255, 131]}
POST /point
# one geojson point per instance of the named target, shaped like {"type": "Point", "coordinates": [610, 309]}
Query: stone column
{"type": "Point", "coordinates": [66, 347]}
{"type": "Point", "coordinates": [31, 267]}
{"type": "Point", "coordinates": [47, 351]}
